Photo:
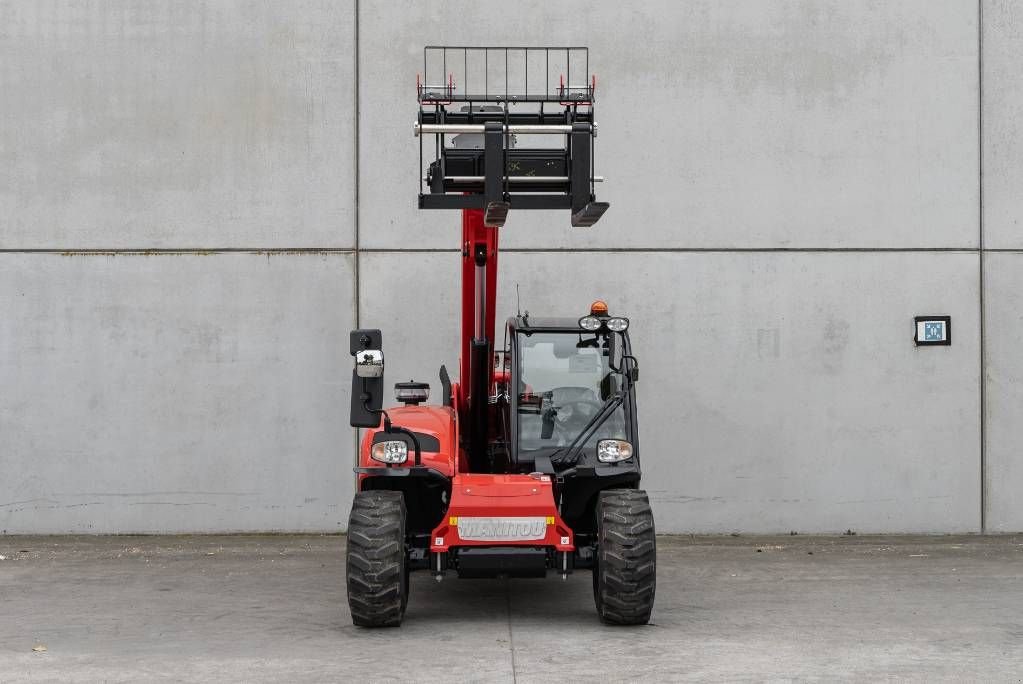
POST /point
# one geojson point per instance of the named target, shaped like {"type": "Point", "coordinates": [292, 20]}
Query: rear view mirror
{"type": "Point", "coordinates": [367, 378]}
{"type": "Point", "coordinates": [369, 363]}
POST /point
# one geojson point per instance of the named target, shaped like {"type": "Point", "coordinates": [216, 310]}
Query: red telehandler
{"type": "Point", "coordinates": [529, 463]}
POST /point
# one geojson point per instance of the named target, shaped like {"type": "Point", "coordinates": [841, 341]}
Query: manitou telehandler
{"type": "Point", "coordinates": [530, 461]}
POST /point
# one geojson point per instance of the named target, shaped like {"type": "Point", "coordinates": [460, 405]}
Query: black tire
{"type": "Point", "coordinates": [377, 564]}
{"type": "Point", "coordinates": [625, 570]}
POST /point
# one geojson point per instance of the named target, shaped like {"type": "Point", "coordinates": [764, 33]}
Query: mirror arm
{"type": "Point", "coordinates": [611, 355]}
{"type": "Point", "coordinates": [634, 373]}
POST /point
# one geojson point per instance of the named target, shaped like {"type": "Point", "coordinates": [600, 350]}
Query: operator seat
{"type": "Point", "coordinates": [531, 424]}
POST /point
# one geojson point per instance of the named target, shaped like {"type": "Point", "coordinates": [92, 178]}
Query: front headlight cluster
{"type": "Point", "coordinates": [392, 452]}
{"type": "Point", "coordinates": [613, 450]}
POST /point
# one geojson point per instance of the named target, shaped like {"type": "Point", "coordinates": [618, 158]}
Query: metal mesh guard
{"type": "Point", "coordinates": [506, 74]}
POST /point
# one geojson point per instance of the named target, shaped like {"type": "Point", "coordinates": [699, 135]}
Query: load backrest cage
{"type": "Point", "coordinates": [479, 102]}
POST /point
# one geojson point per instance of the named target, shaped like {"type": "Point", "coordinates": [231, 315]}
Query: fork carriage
{"type": "Point", "coordinates": [477, 161]}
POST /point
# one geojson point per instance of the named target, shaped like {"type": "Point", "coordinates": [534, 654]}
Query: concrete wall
{"type": "Point", "coordinates": [204, 385]}
{"type": "Point", "coordinates": [194, 210]}
{"type": "Point", "coordinates": [1003, 262]}
{"type": "Point", "coordinates": [175, 393]}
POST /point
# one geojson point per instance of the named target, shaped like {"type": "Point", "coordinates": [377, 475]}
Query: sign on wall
{"type": "Point", "coordinates": [932, 330]}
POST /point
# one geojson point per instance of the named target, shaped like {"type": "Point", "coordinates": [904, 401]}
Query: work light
{"type": "Point", "coordinates": [617, 324]}
{"type": "Point", "coordinates": [392, 451]}
{"type": "Point", "coordinates": [590, 323]}
{"type": "Point", "coordinates": [613, 450]}
{"type": "Point", "coordinates": [411, 393]}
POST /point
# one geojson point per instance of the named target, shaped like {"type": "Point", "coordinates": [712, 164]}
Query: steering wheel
{"type": "Point", "coordinates": [575, 413]}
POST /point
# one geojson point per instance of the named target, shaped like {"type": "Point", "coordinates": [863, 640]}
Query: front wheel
{"type": "Point", "coordinates": [377, 564]}
{"type": "Point", "coordinates": [625, 571]}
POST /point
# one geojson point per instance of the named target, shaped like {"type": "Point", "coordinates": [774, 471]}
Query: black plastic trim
{"type": "Point", "coordinates": [415, 471]}
{"type": "Point", "coordinates": [426, 442]}
{"type": "Point", "coordinates": [511, 561]}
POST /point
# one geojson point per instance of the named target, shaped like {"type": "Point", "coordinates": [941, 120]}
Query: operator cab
{"type": "Point", "coordinates": [570, 393]}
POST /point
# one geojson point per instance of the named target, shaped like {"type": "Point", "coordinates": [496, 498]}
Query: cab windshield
{"type": "Point", "coordinates": [565, 380]}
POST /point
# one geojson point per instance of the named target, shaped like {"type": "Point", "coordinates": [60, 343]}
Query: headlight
{"type": "Point", "coordinates": [590, 323]}
{"type": "Point", "coordinates": [618, 324]}
{"type": "Point", "coordinates": [613, 450]}
{"type": "Point", "coordinates": [393, 451]}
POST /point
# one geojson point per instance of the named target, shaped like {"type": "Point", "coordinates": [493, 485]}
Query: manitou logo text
{"type": "Point", "coordinates": [501, 529]}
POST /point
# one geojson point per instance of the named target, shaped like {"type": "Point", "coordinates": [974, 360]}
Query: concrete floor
{"type": "Point", "coordinates": [250, 608]}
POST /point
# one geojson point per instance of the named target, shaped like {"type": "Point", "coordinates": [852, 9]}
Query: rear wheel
{"type": "Point", "coordinates": [377, 564]}
{"type": "Point", "coordinates": [625, 571]}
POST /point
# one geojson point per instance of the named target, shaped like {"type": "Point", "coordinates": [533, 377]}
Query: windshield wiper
{"type": "Point", "coordinates": [574, 450]}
